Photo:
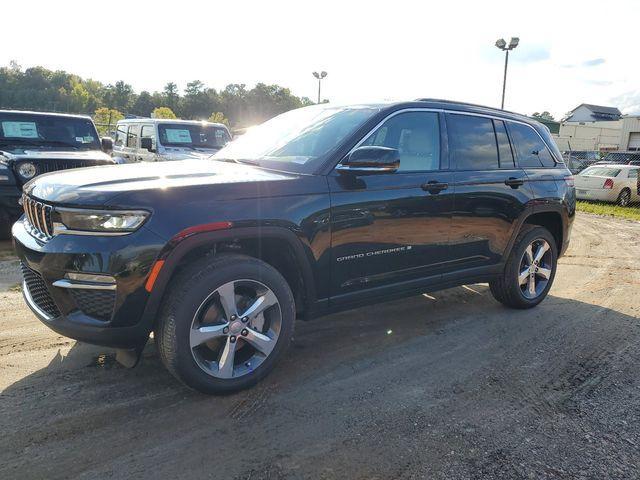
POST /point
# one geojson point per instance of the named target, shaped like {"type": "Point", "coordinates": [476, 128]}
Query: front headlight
{"type": "Point", "coordinates": [27, 170]}
{"type": "Point", "coordinates": [101, 221]}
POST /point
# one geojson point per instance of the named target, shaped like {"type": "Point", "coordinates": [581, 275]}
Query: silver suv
{"type": "Point", "coordinates": [154, 140]}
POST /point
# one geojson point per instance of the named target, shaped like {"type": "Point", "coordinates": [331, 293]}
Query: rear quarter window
{"type": "Point", "coordinates": [531, 151]}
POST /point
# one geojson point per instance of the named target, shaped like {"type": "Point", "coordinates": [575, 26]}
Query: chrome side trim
{"type": "Point", "coordinates": [85, 286]}
{"type": "Point", "coordinates": [455, 112]}
{"type": "Point", "coordinates": [31, 304]}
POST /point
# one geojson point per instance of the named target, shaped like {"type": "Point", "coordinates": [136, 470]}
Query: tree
{"type": "Point", "coordinates": [119, 96]}
{"type": "Point", "coordinates": [144, 105]}
{"type": "Point", "coordinates": [163, 112]}
{"type": "Point", "coordinates": [170, 96]}
{"type": "Point", "coordinates": [105, 119]}
{"type": "Point", "coordinates": [544, 116]}
{"type": "Point", "coordinates": [218, 117]}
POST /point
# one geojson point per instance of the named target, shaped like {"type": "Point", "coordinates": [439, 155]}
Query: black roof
{"type": "Point", "coordinates": [600, 109]}
{"type": "Point", "coordinates": [473, 108]}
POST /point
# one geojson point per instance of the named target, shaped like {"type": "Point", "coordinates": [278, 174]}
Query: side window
{"type": "Point", "coordinates": [530, 149]}
{"type": "Point", "coordinates": [416, 135]}
{"type": "Point", "coordinates": [132, 136]}
{"type": "Point", "coordinates": [504, 146]}
{"type": "Point", "coordinates": [633, 173]}
{"type": "Point", "coordinates": [121, 135]}
{"type": "Point", "coordinates": [149, 131]}
{"type": "Point", "coordinates": [472, 142]}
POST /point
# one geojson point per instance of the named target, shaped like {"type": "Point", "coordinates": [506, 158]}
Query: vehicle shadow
{"type": "Point", "coordinates": [422, 351]}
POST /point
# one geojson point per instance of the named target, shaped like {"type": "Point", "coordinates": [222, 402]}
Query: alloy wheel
{"type": "Point", "coordinates": [535, 268]}
{"type": "Point", "coordinates": [235, 329]}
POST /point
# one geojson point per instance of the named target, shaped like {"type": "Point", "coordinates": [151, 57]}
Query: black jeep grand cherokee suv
{"type": "Point", "coordinates": [320, 209]}
{"type": "Point", "coordinates": [32, 143]}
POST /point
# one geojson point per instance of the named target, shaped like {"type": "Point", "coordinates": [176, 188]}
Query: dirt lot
{"type": "Point", "coordinates": [445, 386]}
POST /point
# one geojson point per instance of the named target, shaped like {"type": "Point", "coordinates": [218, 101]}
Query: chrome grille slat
{"type": "Point", "coordinates": [39, 217]}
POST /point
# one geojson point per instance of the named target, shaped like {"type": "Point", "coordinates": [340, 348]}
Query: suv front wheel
{"type": "Point", "coordinates": [225, 324]}
{"type": "Point", "coordinates": [530, 269]}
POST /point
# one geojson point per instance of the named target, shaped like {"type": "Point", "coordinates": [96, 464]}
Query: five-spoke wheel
{"type": "Point", "coordinates": [225, 323]}
{"type": "Point", "coordinates": [235, 328]}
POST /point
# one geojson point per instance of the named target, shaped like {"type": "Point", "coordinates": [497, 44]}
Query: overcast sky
{"type": "Point", "coordinates": [570, 52]}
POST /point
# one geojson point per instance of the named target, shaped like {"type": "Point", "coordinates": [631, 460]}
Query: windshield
{"type": "Point", "coordinates": [33, 130]}
{"type": "Point", "coordinates": [600, 172]}
{"type": "Point", "coordinates": [192, 135]}
{"type": "Point", "coordinates": [299, 139]}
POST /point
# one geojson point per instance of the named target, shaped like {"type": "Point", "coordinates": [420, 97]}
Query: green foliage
{"type": "Point", "coordinates": [218, 117]}
{"type": "Point", "coordinates": [544, 116]}
{"type": "Point", "coordinates": [601, 208]}
{"type": "Point", "coordinates": [163, 112]}
{"type": "Point", "coordinates": [105, 119]}
{"type": "Point", "coordinates": [38, 88]}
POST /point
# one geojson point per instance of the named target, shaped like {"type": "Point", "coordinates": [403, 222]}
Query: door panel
{"type": "Point", "coordinates": [393, 227]}
{"type": "Point", "coordinates": [387, 229]}
{"type": "Point", "coordinates": [491, 192]}
{"type": "Point", "coordinates": [486, 212]}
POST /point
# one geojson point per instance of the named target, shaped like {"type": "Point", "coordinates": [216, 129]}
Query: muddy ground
{"type": "Point", "coordinates": [446, 386]}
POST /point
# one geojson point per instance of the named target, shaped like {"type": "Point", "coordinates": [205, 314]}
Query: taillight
{"type": "Point", "coordinates": [608, 183]}
{"type": "Point", "coordinates": [569, 181]}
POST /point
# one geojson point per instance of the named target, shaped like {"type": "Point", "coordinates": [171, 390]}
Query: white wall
{"type": "Point", "coordinates": [590, 136]}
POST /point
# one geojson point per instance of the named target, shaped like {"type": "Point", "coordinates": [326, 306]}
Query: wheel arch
{"type": "Point", "coordinates": [277, 246]}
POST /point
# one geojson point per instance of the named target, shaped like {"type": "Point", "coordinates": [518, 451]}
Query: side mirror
{"type": "Point", "coordinates": [371, 160]}
{"type": "Point", "coordinates": [107, 144]}
{"type": "Point", "coordinates": [146, 144]}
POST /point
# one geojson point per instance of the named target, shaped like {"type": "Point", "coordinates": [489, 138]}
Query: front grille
{"type": "Point", "coordinates": [95, 303]}
{"type": "Point", "coordinates": [51, 165]}
{"type": "Point", "coordinates": [39, 216]}
{"type": "Point", "coordinates": [39, 292]}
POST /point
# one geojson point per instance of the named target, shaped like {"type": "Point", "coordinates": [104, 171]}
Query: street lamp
{"type": "Point", "coordinates": [319, 76]}
{"type": "Point", "coordinates": [502, 45]}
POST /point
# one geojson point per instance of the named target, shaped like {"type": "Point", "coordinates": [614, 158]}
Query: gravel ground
{"type": "Point", "coordinates": [446, 386]}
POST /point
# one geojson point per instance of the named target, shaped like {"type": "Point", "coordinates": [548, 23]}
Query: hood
{"type": "Point", "coordinates": [171, 153]}
{"type": "Point", "coordinates": [146, 181]}
{"type": "Point", "coordinates": [39, 154]}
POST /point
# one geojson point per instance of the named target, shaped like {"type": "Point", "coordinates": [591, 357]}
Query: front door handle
{"type": "Point", "coordinates": [433, 186]}
{"type": "Point", "coordinates": [514, 182]}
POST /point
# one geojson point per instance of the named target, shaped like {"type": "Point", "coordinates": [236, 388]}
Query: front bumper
{"type": "Point", "coordinates": [108, 314]}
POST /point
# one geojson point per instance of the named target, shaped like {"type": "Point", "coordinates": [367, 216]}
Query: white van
{"type": "Point", "coordinates": [155, 139]}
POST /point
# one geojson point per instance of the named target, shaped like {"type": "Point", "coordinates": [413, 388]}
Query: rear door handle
{"type": "Point", "coordinates": [434, 186]}
{"type": "Point", "coordinates": [514, 182]}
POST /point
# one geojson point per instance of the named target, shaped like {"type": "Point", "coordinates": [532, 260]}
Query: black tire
{"type": "Point", "coordinates": [506, 289]}
{"type": "Point", "coordinates": [5, 225]}
{"type": "Point", "coordinates": [188, 291]}
{"type": "Point", "coordinates": [624, 198]}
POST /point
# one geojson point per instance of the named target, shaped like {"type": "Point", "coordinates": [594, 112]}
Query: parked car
{"type": "Point", "coordinates": [609, 183]}
{"type": "Point", "coordinates": [320, 209]}
{"type": "Point", "coordinates": [623, 158]}
{"type": "Point", "coordinates": [32, 143]}
{"type": "Point", "coordinates": [153, 139]}
{"type": "Point", "coordinates": [577, 161]}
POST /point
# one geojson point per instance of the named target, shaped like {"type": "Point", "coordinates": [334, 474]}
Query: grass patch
{"type": "Point", "coordinates": [632, 213]}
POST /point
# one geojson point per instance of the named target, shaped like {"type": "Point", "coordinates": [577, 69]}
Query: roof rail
{"type": "Point", "coordinates": [441, 100]}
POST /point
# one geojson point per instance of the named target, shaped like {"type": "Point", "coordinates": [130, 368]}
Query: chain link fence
{"type": "Point", "coordinates": [610, 181]}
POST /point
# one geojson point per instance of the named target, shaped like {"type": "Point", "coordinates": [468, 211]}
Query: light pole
{"type": "Point", "coordinates": [502, 45]}
{"type": "Point", "coordinates": [319, 76]}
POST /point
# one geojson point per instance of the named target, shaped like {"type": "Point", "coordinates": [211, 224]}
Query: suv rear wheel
{"type": "Point", "coordinates": [225, 324]}
{"type": "Point", "coordinates": [530, 269]}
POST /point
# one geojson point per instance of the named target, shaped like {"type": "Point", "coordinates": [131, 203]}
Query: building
{"type": "Point", "coordinates": [590, 127]}
{"type": "Point", "coordinates": [630, 133]}
{"type": "Point", "coordinates": [592, 113]}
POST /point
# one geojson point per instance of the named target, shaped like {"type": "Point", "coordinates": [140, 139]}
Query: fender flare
{"type": "Point", "coordinates": [173, 255]}
{"type": "Point", "coordinates": [528, 212]}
